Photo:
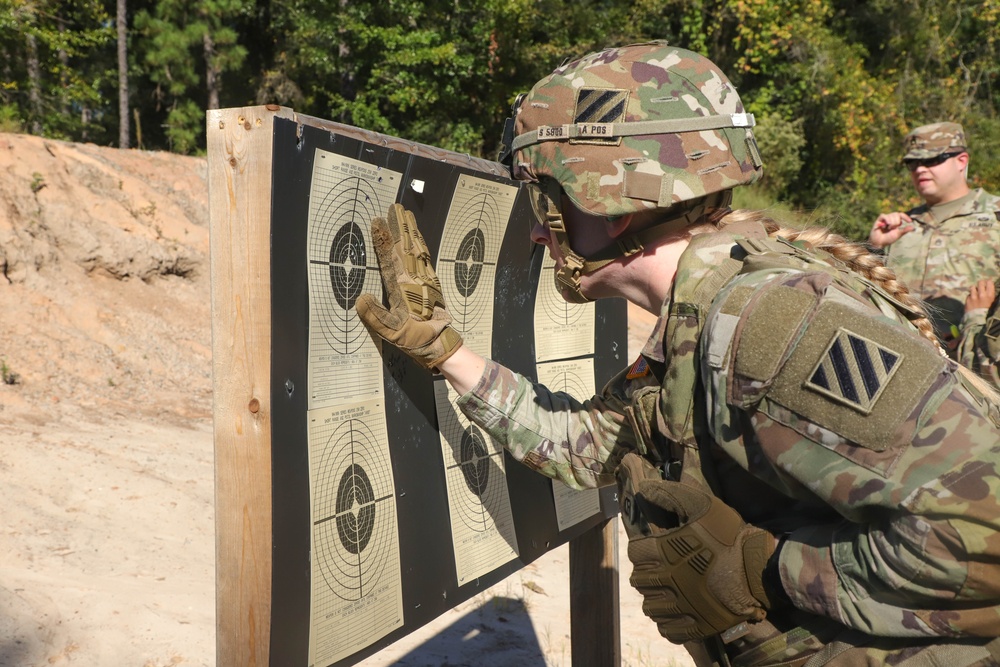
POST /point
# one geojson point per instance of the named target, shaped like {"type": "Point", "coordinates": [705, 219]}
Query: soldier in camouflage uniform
{"type": "Point", "coordinates": [805, 477]}
{"type": "Point", "coordinates": [940, 248]}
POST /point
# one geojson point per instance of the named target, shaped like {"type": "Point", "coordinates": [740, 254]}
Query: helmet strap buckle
{"type": "Point", "coordinates": [630, 246]}
{"type": "Point", "coordinates": [569, 277]}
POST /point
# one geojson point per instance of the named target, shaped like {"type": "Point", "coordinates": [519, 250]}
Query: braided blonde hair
{"type": "Point", "coordinates": [859, 259]}
{"type": "Point", "coordinates": [856, 256]}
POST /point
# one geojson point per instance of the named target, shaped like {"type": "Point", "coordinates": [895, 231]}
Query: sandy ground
{"type": "Point", "coordinates": [106, 451]}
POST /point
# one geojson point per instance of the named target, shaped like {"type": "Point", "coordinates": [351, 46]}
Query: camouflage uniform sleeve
{"type": "Point", "coordinates": [973, 352]}
{"type": "Point", "coordinates": [550, 432]}
{"type": "Point", "coordinates": [893, 458]}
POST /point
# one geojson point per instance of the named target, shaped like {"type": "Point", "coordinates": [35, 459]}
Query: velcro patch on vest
{"type": "Point", "coordinates": [773, 323]}
{"type": "Point", "coordinates": [597, 107]}
{"type": "Point", "coordinates": [858, 376]}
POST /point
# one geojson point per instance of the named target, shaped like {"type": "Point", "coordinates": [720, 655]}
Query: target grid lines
{"type": "Point", "coordinates": [356, 573]}
{"type": "Point", "coordinates": [345, 195]}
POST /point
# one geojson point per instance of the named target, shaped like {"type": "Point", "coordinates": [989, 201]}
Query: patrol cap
{"type": "Point", "coordinates": [929, 141]}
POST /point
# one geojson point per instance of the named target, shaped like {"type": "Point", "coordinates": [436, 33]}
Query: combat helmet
{"type": "Point", "coordinates": [629, 129]}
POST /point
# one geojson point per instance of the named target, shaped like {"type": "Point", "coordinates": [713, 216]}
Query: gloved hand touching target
{"type": "Point", "coordinates": [416, 321]}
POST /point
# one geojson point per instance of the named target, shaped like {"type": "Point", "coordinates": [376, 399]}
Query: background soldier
{"type": "Point", "coordinates": [979, 347]}
{"type": "Point", "coordinates": [941, 248]}
{"type": "Point", "coordinates": [804, 476]}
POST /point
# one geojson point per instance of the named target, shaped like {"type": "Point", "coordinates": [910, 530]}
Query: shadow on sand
{"type": "Point", "coordinates": [497, 633]}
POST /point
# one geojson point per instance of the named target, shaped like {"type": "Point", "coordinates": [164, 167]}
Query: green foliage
{"type": "Point", "coordinates": [7, 375]}
{"type": "Point", "coordinates": [780, 142]}
{"type": "Point", "coordinates": [834, 84]}
{"type": "Point", "coordinates": [10, 119]}
{"type": "Point", "coordinates": [54, 63]}
{"type": "Point", "coordinates": [188, 47]}
{"type": "Point", "coordinates": [37, 182]}
{"type": "Point", "coordinates": [984, 165]}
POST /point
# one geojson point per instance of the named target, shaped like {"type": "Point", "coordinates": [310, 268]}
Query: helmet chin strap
{"type": "Point", "coordinates": [575, 266]}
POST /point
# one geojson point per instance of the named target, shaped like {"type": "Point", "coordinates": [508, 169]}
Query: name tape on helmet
{"type": "Point", "coordinates": [643, 127]}
{"type": "Point", "coordinates": [576, 131]}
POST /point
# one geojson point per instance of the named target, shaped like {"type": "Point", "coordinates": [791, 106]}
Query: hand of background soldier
{"type": "Point", "coordinates": [416, 321]}
{"type": "Point", "coordinates": [698, 566]}
{"type": "Point", "coordinates": [888, 228]}
{"type": "Point", "coordinates": [981, 295]}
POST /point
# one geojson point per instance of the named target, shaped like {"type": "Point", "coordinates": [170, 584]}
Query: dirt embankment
{"type": "Point", "coordinates": [104, 289]}
{"type": "Point", "coordinates": [107, 540]}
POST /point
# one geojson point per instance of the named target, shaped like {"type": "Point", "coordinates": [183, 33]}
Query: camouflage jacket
{"type": "Point", "coordinates": [827, 419]}
{"type": "Point", "coordinates": [942, 258]}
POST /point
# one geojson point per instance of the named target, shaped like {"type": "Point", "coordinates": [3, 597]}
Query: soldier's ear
{"type": "Point", "coordinates": [619, 225]}
{"type": "Point", "coordinates": [963, 163]}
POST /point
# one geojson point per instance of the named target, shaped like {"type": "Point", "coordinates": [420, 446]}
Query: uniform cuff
{"type": "Point", "coordinates": [772, 578]}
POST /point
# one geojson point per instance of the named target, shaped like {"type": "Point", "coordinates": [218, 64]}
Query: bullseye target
{"type": "Point", "coordinates": [354, 521]}
{"type": "Point", "coordinates": [562, 329]}
{"type": "Point", "coordinates": [340, 261]}
{"type": "Point", "coordinates": [348, 265]}
{"type": "Point", "coordinates": [469, 262]}
{"type": "Point", "coordinates": [470, 246]}
{"type": "Point", "coordinates": [475, 461]}
{"type": "Point", "coordinates": [476, 464]}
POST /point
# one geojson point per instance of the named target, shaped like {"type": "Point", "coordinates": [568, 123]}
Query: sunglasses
{"type": "Point", "coordinates": [912, 164]}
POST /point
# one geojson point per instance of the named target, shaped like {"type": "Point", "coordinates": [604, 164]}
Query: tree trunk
{"type": "Point", "coordinates": [212, 80]}
{"type": "Point", "coordinates": [34, 85]}
{"type": "Point", "coordinates": [346, 70]}
{"type": "Point", "coordinates": [63, 77]}
{"type": "Point", "coordinates": [123, 129]}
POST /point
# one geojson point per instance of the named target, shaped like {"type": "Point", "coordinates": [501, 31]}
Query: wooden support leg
{"type": "Point", "coordinates": [593, 594]}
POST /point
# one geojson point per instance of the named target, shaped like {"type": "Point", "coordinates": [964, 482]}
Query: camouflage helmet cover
{"type": "Point", "coordinates": [704, 143]}
{"type": "Point", "coordinates": [929, 141]}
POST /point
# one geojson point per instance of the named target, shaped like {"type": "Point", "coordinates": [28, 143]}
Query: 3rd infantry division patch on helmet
{"type": "Point", "coordinates": [929, 141]}
{"type": "Point", "coordinates": [635, 128]}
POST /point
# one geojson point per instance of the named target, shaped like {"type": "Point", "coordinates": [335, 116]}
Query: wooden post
{"type": "Point", "coordinates": [239, 188]}
{"type": "Point", "coordinates": [593, 597]}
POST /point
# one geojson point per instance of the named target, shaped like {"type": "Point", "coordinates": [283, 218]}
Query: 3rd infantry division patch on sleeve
{"type": "Point", "coordinates": [854, 370]}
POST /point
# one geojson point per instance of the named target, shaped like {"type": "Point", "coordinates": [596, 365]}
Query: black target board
{"type": "Point", "coordinates": [370, 495]}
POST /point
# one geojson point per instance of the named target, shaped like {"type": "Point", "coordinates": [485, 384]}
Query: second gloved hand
{"type": "Point", "coordinates": [416, 321]}
{"type": "Point", "coordinates": [697, 564]}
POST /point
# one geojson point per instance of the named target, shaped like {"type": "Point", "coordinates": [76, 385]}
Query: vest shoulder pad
{"type": "Point", "coordinates": [805, 343]}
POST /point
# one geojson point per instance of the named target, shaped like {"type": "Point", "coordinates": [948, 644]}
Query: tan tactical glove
{"type": "Point", "coordinates": [416, 321]}
{"type": "Point", "coordinates": [698, 566]}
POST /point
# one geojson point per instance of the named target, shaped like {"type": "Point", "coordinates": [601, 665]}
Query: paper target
{"type": "Point", "coordinates": [562, 329]}
{"type": "Point", "coordinates": [344, 197]}
{"type": "Point", "coordinates": [339, 259]}
{"type": "Point", "coordinates": [487, 487]}
{"type": "Point", "coordinates": [576, 378]}
{"type": "Point", "coordinates": [354, 510]}
{"type": "Point", "coordinates": [555, 309]}
{"type": "Point", "coordinates": [470, 245]}
{"type": "Point", "coordinates": [482, 526]}
{"type": "Point", "coordinates": [356, 582]}
{"type": "Point", "coordinates": [566, 377]}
